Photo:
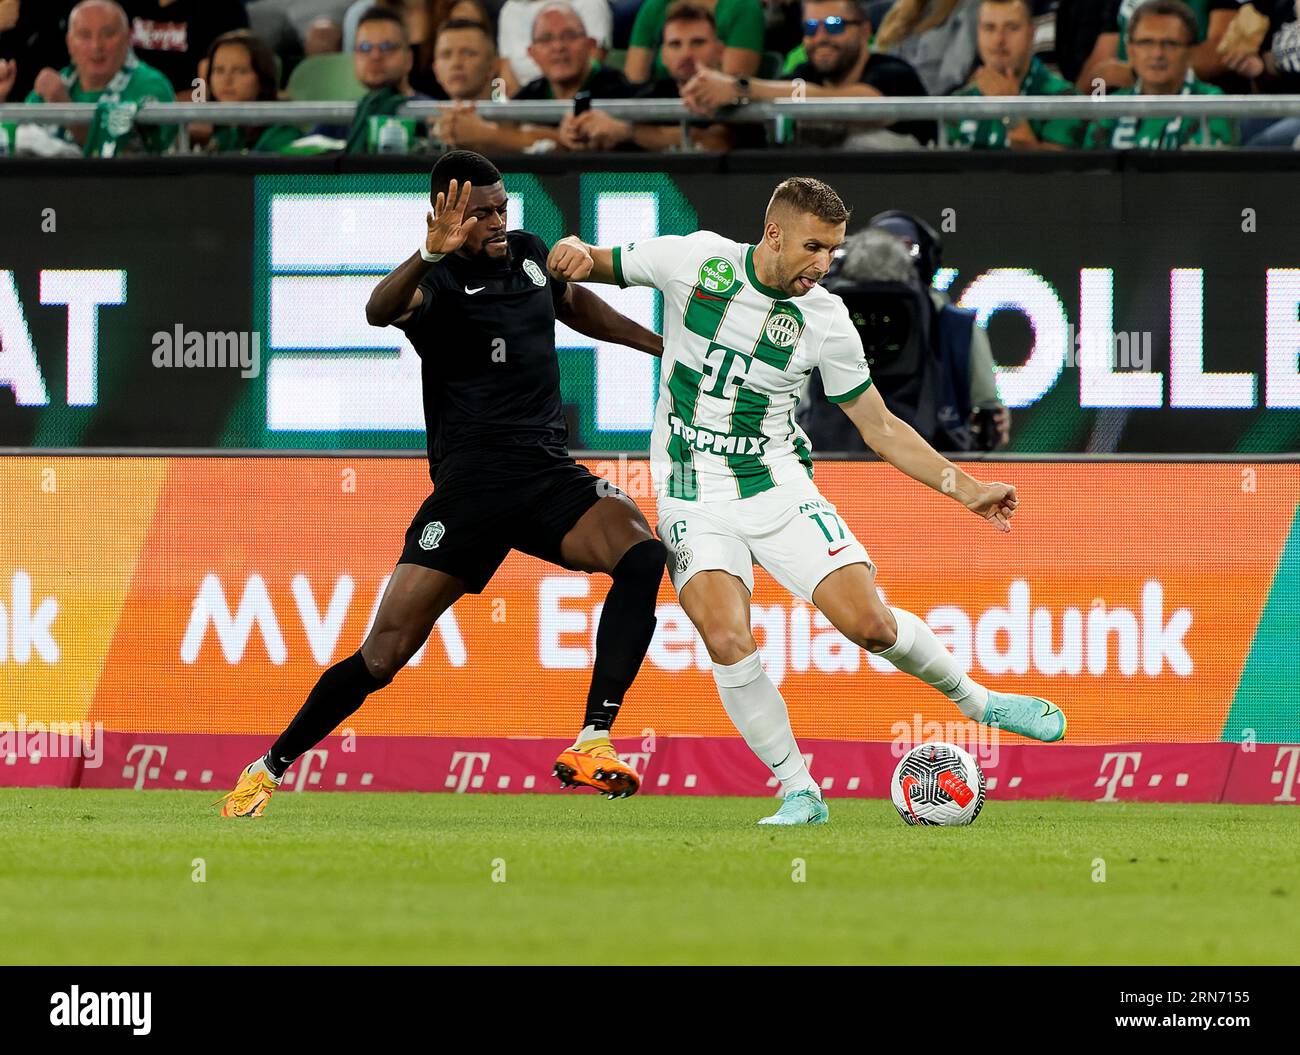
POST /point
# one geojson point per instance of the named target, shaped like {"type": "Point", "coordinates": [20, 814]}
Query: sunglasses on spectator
{"type": "Point", "coordinates": [569, 36]}
{"type": "Point", "coordinates": [384, 46]}
{"type": "Point", "coordinates": [1151, 44]}
{"type": "Point", "coordinates": [834, 25]}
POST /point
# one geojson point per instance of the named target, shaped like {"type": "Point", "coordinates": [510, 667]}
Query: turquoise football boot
{"type": "Point", "coordinates": [800, 807]}
{"type": "Point", "coordinates": [1029, 716]}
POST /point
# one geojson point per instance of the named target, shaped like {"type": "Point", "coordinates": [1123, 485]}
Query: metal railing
{"type": "Point", "coordinates": [873, 109]}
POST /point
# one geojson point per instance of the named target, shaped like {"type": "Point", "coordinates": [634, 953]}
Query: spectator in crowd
{"type": "Point", "coordinates": [174, 35]}
{"type": "Point", "coordinates": [381, 54]}
{"type": "Point", "coordinates": [791, 44]}
{"type": "Point", "coordinates": [103, 71]}
{"type": "Point", "coordinates": [935, 37]}
{"type": "Point", "coordinates": [382, 58]}
{"type": "Point", "coordinates": [1161, 35]}
{"type": "Point", "coordinates": [425, 18]}
{"type": "Point", "coordinates": [840, 64]}
{"type": "Point", "coordinates": [515, 34]}
{"type": "Point", "coordinates": [691, 43]}
{"type": "Point", "coordinates": [1008, 66]}
{"type": "Point", "coordinates": [464, 60]}
{"type": "Point", "coordinates": [566, 56]}
{"type": "Point", "coordinates": [1110, 58]}
{"type": "Point", "coordinates": [430, 13]}
{"type": "Point", "coordinates": [1274, 66]}
{"type": "Point", "coordinates": [930, 360]}
{"type": "Point", "coordinates": [422, 18]}
{"type": "Point", "coordinates": [241, 69]}
{"type": "Point", "coordinates": [740, 25]}
{"type": "Point", "coordinates": [32, 34]}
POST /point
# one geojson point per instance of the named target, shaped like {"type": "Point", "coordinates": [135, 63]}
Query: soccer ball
{"type": "Point", "coordinates": [937, 784]}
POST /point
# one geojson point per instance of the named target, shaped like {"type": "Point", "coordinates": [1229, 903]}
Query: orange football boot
{"type": "Point", "coordinates": [252, 792]}
{"type": "Point", "coordinates": [595, 764]}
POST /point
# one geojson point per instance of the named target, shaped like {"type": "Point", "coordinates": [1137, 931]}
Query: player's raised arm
{"type": "Point", "coordinates": [900, 445]}
{"type": "Point", "coordinates": [574, 260]}
{"type": "Point", "coordinates": [398, 293]}
{"type": "Point", "coordinates": [646, 262]}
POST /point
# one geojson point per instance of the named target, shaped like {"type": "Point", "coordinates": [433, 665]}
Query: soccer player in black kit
{"type": "Point", "coordinates": [480, 308]}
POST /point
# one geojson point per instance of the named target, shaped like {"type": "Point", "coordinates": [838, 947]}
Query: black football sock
{"type": "Point", "coordinates": [339, 692]}
{"type": "Point", "coordinates": [627, 624]}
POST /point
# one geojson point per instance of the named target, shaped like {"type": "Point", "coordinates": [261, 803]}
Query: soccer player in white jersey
{"type": "Point", "coordinates": [743, 327]}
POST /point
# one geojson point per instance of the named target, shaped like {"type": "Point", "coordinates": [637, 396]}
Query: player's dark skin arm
{"type": "Point", "coordinates": [398, 293]}
{"type": "Point", "coordinates": [589, 315]}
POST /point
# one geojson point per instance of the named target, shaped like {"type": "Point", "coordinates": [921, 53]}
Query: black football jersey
{"type": "Point", "coordinates": [486, 339]}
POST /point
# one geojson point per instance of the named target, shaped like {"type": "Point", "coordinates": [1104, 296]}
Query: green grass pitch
{"type": "Point", "coordinates": [108, 877]}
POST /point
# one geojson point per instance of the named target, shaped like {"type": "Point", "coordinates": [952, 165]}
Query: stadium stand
{"type": "Point", "coordinates": [1241, 61]}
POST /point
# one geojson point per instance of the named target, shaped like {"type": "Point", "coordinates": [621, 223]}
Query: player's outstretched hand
{"type": "Point", "coordinates": [448, 227]}
{"type": "Point", "coordinates": [995, 502]}
{"type": "Point", "coordinates": [569, 260]}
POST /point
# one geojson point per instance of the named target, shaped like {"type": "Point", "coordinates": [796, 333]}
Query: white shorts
{"type": "Point", "coordinates": [791, 530]}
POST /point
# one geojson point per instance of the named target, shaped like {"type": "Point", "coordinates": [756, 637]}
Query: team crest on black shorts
{"type": "Point", "coordinates": [432, 535]}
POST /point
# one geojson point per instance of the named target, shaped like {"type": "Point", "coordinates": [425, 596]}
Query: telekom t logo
{"type": "Point", "coordinates": [723, 371]}
{"type": "Point", "coordinates": [468, 761]}
{"type": "Point", "coordinates": [139, 759]}
{"type": "Point", "coordinates": [1288, 755]}
{"type": "Point", "coordinates": [1118, 778]}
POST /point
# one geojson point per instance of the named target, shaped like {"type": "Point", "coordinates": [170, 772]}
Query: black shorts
{"type": "Point", "coordinates": [484, 506]}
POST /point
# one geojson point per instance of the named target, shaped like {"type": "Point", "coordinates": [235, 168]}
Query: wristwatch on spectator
{"type": "Point", "coordinates": [742, 91]}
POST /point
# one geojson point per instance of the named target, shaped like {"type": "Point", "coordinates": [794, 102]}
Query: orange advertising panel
{"type": "Point", "coordinates": [208, 594]}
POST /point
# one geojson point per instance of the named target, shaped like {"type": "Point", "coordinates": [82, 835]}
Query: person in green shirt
{"type": "Point", "coordinates": [1110, 60]}
{"type": "Point", "coordinates": [740, 24]}
{"type": "Point", "coordinates": [383, 59]}
{"type": "Point", "coordinates": [106, 72]}
{"type": "Point", "coordinates": [241, 69]}
{"type": "Point", "coordinates": [1160, 40]}
{"type": "Point", "coordinates": [1009, 67]}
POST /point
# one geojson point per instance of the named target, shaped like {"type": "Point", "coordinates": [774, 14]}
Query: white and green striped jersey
{"type": "Point", "coordinates": [736, 355]}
